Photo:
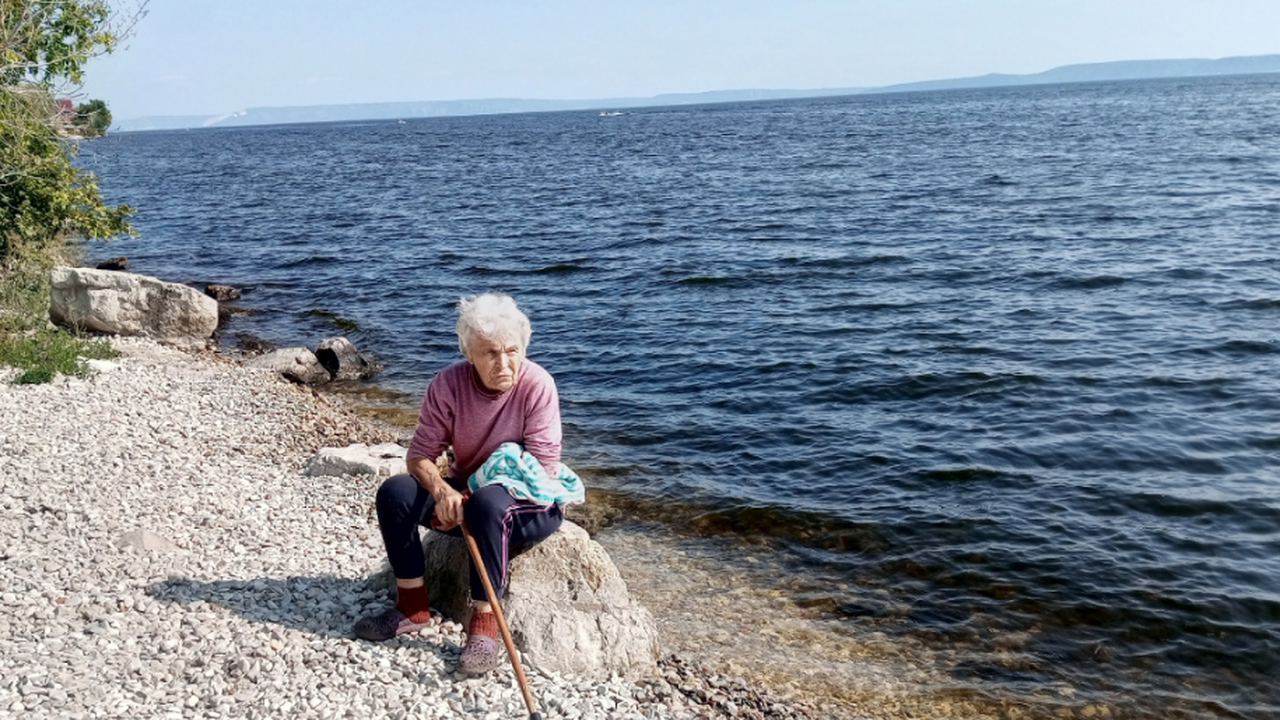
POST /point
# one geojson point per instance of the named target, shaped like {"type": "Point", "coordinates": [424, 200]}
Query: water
{"type": "Point", "coordinates": [990, 372]}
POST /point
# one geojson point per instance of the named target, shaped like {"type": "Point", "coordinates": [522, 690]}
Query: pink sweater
{"type": "Point", "coordinates": [459, 410]}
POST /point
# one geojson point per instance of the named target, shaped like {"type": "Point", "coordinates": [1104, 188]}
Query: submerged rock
{"type": "Point", "coordinates": [221, 293]}
{"type": "Point", "coordinates": [120, 262]}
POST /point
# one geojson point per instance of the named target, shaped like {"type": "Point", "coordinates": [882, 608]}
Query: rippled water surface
{"type": "Point", "coordinates": [994, 371]}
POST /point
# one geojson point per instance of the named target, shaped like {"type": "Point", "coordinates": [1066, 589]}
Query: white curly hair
{"type": "Point", "coordinates": [493, 316]}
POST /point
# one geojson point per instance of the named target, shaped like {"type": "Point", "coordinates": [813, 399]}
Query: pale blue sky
{"type": "Point", "coordinates": [193, 57]}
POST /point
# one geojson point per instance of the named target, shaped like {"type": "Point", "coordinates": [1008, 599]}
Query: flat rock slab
{"type": "Point", "coordinates": [359, 459]}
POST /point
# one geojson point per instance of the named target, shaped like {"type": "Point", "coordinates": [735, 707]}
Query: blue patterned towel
{"type": "Point", "coordinates": [525, 478]}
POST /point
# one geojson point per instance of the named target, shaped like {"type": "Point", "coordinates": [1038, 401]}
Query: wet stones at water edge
{"type": "Point", "coordinates": [334, 359]}
{"type": "Point", "coordinates": [120, 262]}
{"type": "Point", "coordinates": [296, 364]}
{"type": "Point", "coordinates": [344, 362]}
{"type": "Point", "coordinates": [221, 293]}
{"type": "Point", "coordinates": [251, 345]}
{"type": "Point", "coordinates": [120, 303]}
{"type": "Point", "coordinates": [725, 696]}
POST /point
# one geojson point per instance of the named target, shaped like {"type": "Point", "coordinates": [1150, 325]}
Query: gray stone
{"type": "Point", "coordinates": [568, 608]}
{"type": "Point", "coordinates": [340, 357]}
{"type": "Point", "coordinates": [296, 363]}
{"type": "Point", "coordinates": [122, 303]}
{"type": "Point", "coordinates": [358, 459]}
{"type": "Point", "coordinates": [221, 293]}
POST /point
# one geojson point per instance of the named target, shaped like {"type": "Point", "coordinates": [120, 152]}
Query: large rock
{"type": "Point", "coordinates": [568, 608]}
{"type": "Point", "coordinates": [296, 363]}
{"type": "Point", "coordinates": [359, 459]}
{"type": "Point", "coordinates": [344, 362]}
{"type": "Point", "coordinates": [122, 303]}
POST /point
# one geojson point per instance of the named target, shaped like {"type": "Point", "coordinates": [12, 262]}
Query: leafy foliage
{"type": "Point", "coordinates": [44, 197]}
{"type": "Point", "coordinates": [45, 41]}
{"type": "Point", "coordinates": [92, 118]}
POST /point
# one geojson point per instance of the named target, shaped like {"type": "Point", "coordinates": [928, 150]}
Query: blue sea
{"type": "Point", "coordinates": [979, 364]}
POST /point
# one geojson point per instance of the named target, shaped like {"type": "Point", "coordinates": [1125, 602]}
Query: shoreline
{"type": "Point", "coordinates": [748, 621]}
{"type": "Point", "coordinates": [163, 550]}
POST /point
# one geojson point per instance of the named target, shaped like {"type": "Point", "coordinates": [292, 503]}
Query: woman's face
{"type": "Point", "coordinates": [496, 361]}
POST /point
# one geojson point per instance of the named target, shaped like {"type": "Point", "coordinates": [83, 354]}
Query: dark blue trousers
{"type": "Point", "coordinates": [497, 521]}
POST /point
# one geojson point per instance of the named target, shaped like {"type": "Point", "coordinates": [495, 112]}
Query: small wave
{"type": "Point", "coordinates": [966, 474]}
{"type": "Point", "coordinates": [786, 366]}
{"type": "Point", "coordinates": [930, 385]}
{"type": "Point", "coordinates": [714, 280]}
{"type": "Point", "coordinates": [312, 260]}
{"type": "Point", "coordinates": [1232, 348]}
{"type": "Point", "coordinates": [1189, 274]}
{"type": "Point", "coordinates": [1247, 347]}
{"type": "Point", "coordinates": [560, 269]}
{"type": "Point", "coordinates": [1254, 304]}
{"type": "Point", "coordinates": [1095, 282]}
{"type": "Point", "coordinates": [842, 262]}
{"type": "Point", "coordinates": [1244, 512]}
{"type": "Point", "coordinates": [344, 324]}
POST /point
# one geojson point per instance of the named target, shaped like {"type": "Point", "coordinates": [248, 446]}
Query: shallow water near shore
{"type": "Point", "coordinates": [974, 392]}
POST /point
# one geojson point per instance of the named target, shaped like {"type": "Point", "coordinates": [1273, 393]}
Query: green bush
{"type": "Point", "coordinates": [44, 197]}
{"type": "Point", "coordinates": [47, 352]}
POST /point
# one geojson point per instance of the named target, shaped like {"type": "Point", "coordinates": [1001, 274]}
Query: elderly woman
{"type": "Point", "coordinates": [496, 410]}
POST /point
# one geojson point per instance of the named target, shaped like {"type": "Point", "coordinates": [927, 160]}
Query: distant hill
{"type": "Point", "coordinates": [1091, 72]}
{"type": "Point", "coordinates": [1100, 72]}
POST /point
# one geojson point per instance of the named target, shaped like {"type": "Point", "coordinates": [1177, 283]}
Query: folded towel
{"type": "Point", "coordinates": [525, 478]}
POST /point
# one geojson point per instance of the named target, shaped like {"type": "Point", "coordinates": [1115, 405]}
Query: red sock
{"type": "Point", "coordinates": [483, 623]}
{"type": "Point", "coordinates": [413, 603]}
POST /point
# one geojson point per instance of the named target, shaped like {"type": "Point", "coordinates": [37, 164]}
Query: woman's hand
{"type": "Point", "coordinates": [448, 513]}
{"type": "Point", "coordinates": [448, 506]}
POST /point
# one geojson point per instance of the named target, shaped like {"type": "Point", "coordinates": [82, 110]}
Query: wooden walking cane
{"type": "Point", "coordinates": [502, 625]}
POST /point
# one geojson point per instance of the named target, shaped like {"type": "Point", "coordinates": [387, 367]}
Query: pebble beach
{"type": "Point", "coordinates": [163, 555]}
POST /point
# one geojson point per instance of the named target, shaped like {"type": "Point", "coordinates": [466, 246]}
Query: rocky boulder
{"type": "Point", "coordinates": [297, 364]}
{"type": "Point", "coordinates": [344, 362]}
{"type": "Point", "coordinates": [221, 293]}
{"type": "Point", "coordinates": [359, 459]}
{"type": "Point", "coordinates": [568, 608]}
{"type": "Point", "coordinates": [120, 262]}
{"type": "Point", "coordinates": [122, 303]}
